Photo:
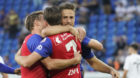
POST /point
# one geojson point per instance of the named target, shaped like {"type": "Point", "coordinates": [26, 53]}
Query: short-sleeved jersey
{"type": "Point", "coordinates": [132, 64]}
{"type": "Point", "coordinates": [28, 46]}
{"type": "Point", "coordinates": [61, 46]}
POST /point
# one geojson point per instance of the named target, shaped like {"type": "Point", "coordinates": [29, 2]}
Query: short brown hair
{"type": "Point", "coordinates": [29, 21]}
{"type": "Point", "coordinates": [52, 15]}
{"type": "Point", "coordinates": [134, 46]}
{"type": "Point", "coordinates": [67, 5]}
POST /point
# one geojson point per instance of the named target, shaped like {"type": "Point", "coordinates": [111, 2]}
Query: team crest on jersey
{"type": "Point", "coordinates": [57, 40]}
{"type": "Point", "coordinates": [39, 47]}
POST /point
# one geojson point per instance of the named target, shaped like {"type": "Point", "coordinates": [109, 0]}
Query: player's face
{"type": "Point", "coordinates": [68, 17]}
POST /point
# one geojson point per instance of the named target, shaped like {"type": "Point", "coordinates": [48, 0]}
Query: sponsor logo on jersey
{"type": "Point", "coordinates": [39, 47]}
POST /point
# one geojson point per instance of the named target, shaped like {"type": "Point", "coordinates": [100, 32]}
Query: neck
{"type": "Point", "coordinates": [36, 31]}
{"type": "Point", "coordinates": [134, 52]}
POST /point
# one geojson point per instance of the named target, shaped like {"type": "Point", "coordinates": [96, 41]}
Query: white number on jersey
{"type": "Point", "coordinates": [71, 44]}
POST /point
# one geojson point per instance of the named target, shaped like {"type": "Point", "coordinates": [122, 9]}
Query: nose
{"type": "Point", "coordinates": [69, 20]}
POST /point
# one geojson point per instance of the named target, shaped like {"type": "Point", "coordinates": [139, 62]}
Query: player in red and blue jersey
{"type": "Point", "coordinates": [106, 68]}
{"type": "Point", "coordinates": [68, 18]}
{"type": "Point", "coordinates": [32, 41]}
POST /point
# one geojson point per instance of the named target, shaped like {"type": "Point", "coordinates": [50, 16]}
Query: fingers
{"type": "Point", "coordinates": [115, 74]}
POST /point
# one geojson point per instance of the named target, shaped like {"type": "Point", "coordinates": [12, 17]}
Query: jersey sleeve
{"type": "Point", "coordinates": [85, 41]}
{"type": "Point", "coordinates": [87, 53]}
{"type": "Point", "coordinates": [33, 42]}
{"type": "Point", "coordinates": [44, 48]}
{"type": "Point", "coordinates": [6, 69]}
{"type": "Point", "coordinates": [126, 64]}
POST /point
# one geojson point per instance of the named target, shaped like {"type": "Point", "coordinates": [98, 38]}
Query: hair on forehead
{"type": "Point", "coordinates": [67, 5]}
{"type": "Point", "coordinates": [134, 46]}
{"type": "Point", "coordinates": [29, 20]}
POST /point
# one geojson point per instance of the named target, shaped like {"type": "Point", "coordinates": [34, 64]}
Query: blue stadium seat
{"type": "Point", "coordinates": [110, 47]}
{"type": "Point", "coordinates": [131, 23]}
{"type": "Point", "coordinates": [17, 2]}
{"type": "Point", "coordinates": [2, 2]}
{"type": "Point", "coordinates": [25, 2]}
{"type": "Point", "coordinates": [138, 38]}
{"type": "Point", "coordinates": [130, 38]}
{"type": "Point", "coordinates": [7, 9]}
{"type": "Point", "coordinates": [102, 17]}
{"type": "Point", "coordinates": [93, 18]}
{"type": "Point", "coordinates": [111, 17]}
{"type": "Point", "coordinates": [1, 6]}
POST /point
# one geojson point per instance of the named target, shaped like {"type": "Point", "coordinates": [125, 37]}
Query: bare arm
{"type": "Point", "coordinates": [52, 64]}
{"type": "Point", "coordinates": [27, 61]}
{"type": "Point", "coordinates": [124, 74]}
{"type": "Point", "coordinates": [49, 63]}
{"type": "Point", "coordinates": [102, 67]}
{"type": "Point", "coordinates": [94, 44]}
{"type": "Point", "coordinates": [4, 75]}
{"type": "Point", "coordinates": [52, 30]}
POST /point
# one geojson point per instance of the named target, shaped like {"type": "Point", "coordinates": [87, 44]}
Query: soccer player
{"type": "Point", "coordinates": [6, 69]}
{"type": "Point", "coordinates": [68, 18]}
{"type": "Point", "coordinates": [35, 23]}
{"type": "Point", "coordinates": [132, 63]}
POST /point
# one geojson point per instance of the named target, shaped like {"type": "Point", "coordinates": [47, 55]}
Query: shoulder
{"type": "Point", "coordinates": [34, 39]}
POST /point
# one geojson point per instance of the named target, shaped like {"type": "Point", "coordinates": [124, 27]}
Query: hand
{"type": "Point", "coordinates": [77, 57]}
{"type": "Point", "coordinates": [74, 32]}
{"type": "Point", "coordinates": [114, 73]}
{"type": "Point", "coordinates": [17, 71]}
{"type": "Point", "coordinates": [82, 33]}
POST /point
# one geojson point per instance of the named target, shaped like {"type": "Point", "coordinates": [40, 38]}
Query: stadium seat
{"type": "Point", "coordinates": [93, 18]}
{"type": "Point", "coordinates": [111, 18]}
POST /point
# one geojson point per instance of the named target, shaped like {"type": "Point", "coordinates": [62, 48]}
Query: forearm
{"type": "Point", "coordinates": [99, 65]}
{"type": "Point", "coordinates": [27, 61]}
{"type": "Point", "coordinates": [52, 30]}
{"type": "Point", "coordinates": [52, 64]}
{"type": "Point", "coordinates": [94, 44]}
{"type": "Point", "coordinates": [4, 75]}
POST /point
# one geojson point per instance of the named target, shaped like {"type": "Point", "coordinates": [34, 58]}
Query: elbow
{"type": "Point", "coordinates": [49, 68]}
{"type": "Point", "coordinates": [26, 64]}
{"type": "Point", "coordinates": [100, 47]}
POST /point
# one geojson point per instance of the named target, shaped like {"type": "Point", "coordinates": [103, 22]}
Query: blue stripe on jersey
{"type": "Point", "coordinates": [6, 69]}
{"type": "Point", "coordinates": [85, 41]}
{"type": "Point", "coordinates": [44, 48]}
{"type": "Point", "coordinates": [33, 42]}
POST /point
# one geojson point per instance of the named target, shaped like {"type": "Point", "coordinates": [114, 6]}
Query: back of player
{"type": "Point", "coordinates": [132, 64]}
{"type": "Point", "coordinates": [37, 70]}
{"type": "Point", "coordinates": [64, 46]}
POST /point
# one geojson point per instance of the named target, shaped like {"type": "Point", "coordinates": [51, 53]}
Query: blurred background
{"type": "Point", "coordinates": [115, 23]}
